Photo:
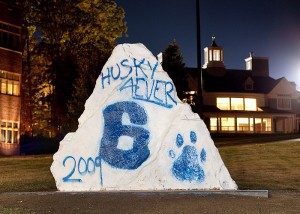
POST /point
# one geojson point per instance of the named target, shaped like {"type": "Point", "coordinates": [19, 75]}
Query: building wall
{"type": "Point", "coordinates": [10, 60]}
{"type": "Point", "coordinates": [10, 107]}
{"type": "Point", "coordinates": [9, 13]}
{"type": "Point", "coordinates": [10, 77]}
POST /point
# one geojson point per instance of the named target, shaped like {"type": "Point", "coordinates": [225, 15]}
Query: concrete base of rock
{"type": "Point", "coordinates": [250, 193]}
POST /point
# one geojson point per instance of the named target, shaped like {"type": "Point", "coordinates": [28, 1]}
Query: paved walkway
{"type": "Point", "coordinates": [124, 202]}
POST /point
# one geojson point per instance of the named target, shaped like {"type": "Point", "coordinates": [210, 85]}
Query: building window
{"type": "Point", "coordinates": [227, 123]}
{"type": "Point", "coordinates": [216, 55]}
{"type": "Point", "coordinates": [284, 103]}
{"type": "Point", "coordinates": [3, 86]}
{"type": "Point", "coordinates": [10, 37]}
{"type": "Point", "coordinates": [241, 124]}
{"type": "Point", "coordinates": [213, 124]}
{"type": "Point", "coordinates": [10, 83]}
{"type": "Point", "coordinates": [210, 55]}
{"type": "Point", "coordinates": [263, 125]}
{"type": "Point", "coordinates": [250, 104]}
{"type": "Point", "coordinates": [237, 104]}
{"type": "Point", "coordinates": [9, 87]}
{"type": "Point", "coordinates": [223, 103]}
{"type": "Point", "coordinates": [9, 132]}
{"type": "Point", "coordinates": [244, 124]}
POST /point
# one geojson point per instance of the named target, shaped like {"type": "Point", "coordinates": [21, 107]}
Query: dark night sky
{"type": "Point", "coordinates": [269, 28]}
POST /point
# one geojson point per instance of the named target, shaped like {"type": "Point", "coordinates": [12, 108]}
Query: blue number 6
{"type": "Point", "coordinates": [114, 129]}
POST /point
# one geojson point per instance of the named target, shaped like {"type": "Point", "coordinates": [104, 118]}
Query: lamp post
{"type": "Point", "coordinates": [200, 98]}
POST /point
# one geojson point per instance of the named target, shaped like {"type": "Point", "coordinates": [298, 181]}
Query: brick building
{"type": "Point", "coordinates": [10, 77]}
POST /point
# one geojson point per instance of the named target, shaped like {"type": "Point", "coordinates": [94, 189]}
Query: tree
{"type": "Point", "coordinates": [173, 64]}
{"type": "Point", "coordinates": [68, 33]}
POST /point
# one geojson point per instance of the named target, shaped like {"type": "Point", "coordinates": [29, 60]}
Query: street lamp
{"type": "Point", "coordinates": [200, 98]}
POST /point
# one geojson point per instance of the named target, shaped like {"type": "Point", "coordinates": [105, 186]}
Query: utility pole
{"type": "Point", "coordinates": [200, 96]}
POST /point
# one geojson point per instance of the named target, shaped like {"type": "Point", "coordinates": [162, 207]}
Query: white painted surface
{"type": "Point", "coordinates": [194, 164]}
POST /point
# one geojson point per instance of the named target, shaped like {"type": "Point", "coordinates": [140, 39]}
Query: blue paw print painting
{"type": "Point", "coordinates": [187, 166]}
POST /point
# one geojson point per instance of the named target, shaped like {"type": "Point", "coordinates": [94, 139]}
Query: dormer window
{"type": "Point", "coordinates": [248, 86]}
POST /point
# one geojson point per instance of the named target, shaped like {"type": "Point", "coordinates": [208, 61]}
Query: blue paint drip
{"type": "Point", "coordinates": [99, 164]}
{"type": "Point", "coordinates": [101, 176]}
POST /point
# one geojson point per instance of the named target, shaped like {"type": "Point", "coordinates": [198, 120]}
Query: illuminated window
{"type": "Point", "coordinates": [251, 124]}
{"type": "Point", "coordinates": [267, 124]}
{"type": "Point", "coordinates": [242, 124]}
{"type": "Point", "coordinates": [9, 136]}
{"type": "Point", "coordinates": [223, 103]}
{"type": "Point", "coordinates": [221, 51]}
{"type": "Point", "coordinates": [9, 87]}
{"type": "Point", "coordinates": [227, 123]}
{"type": "Point", "coordinates": [283, 103]}
{"type": "Point", "coordinates": [3, 86]}
{"type": "Point", "coordinates": [15, 134]}
{"type": "Point", "coordinates": [16, 89]}
{"type": "Point", "coordinates": [258, 125]}
{"type": "Point", "coordinates": [237, 104]}
{"type": "Point", "coordinates": [210, 55]}
{"type": "Point", "coordinates": [9, 132]}
{"type": "Point", "coordinates": [3, 135]}
{"type": "Point", "coordinates": [263, 125]}
{"type": "Point", "coordinates": [10, 83]}
{"type": "Point", "coordinates": [250, 104]}
{"type": "Point", "coordinates": [216, 55]}
{"type": "Point", "coordinates": [213, 124]}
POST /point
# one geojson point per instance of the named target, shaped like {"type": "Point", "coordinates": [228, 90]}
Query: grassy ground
{"type": "Point", "coordinates": [264, 166]}
{"type": "Point", "coordinates": [256, 166]}
{"type": "Point", "coordinates": [26, 173]}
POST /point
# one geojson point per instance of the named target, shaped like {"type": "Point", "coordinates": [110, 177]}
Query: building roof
{"type": "Point", "coordinates": [235, 80]}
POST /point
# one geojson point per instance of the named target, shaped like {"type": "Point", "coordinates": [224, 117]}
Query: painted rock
{"type": "Point", "coordinates": [136, 134]}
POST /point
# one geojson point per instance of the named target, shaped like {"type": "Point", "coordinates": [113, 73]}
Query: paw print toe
{"type": "Point", "coordinates": [179, 140]}
{"type": "Point", "coordinates": [172, 154]}
{"type": "Point", "coordinates": [193, 137]}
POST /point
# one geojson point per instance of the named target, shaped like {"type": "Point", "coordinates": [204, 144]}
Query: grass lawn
{"type": "Point", "coordinates": [259, 166]}
{"type": "Point", "coordinates": [26, 173]}
{"type": "Point", "coordinates": [264, 166]}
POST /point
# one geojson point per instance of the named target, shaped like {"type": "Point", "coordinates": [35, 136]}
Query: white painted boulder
{"type": "Point", "coordinates": [135, 134]}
